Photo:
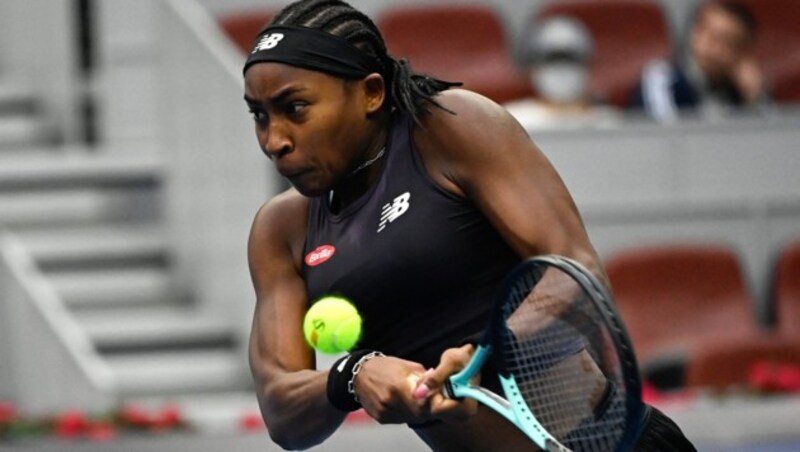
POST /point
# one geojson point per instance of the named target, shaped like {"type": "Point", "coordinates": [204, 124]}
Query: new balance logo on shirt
{"type": "Point", "coordinates": [393, 210]}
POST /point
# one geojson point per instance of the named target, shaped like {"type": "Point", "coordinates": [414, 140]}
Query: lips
{"type": "Point", "coordinates": [291, 173]}
{"type": "Point", "coordinates": [302, 179]}
{"type": "Point", "coordinates": [308, 180]}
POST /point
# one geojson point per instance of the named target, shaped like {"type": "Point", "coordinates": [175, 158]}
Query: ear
{"type": "Point", "coordinates": [374, 92]}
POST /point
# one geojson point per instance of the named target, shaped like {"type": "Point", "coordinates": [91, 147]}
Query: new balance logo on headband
{"type": "Point", "coordinates": [393, 210]}
{"type": "Point", "coordinates": [268, 41]}
{"type": "Point", "coordinates": [312, 49]}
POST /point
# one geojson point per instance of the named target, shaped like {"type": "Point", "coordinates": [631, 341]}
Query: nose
{"type": "Point", "coordinates": [276, 153]}
{"type": "Point", "coordinates": [275, 141]}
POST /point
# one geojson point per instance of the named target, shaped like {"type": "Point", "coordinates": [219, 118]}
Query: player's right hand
{"type": "Point", "coordinates": [385, 385]}
{"type": "Point", "coordinates": [430, 386]}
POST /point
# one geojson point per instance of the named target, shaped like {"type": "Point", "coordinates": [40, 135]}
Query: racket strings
{"type": "Point", "coordinates": [559, 351]}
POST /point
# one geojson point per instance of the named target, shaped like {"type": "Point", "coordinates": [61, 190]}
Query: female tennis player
{"type": "Point", "coordinates": [409, 198]}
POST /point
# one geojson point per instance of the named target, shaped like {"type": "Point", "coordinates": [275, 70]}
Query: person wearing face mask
{"type": "Point", "coordinates": [558, 53]}
{"type": "Point", "coordinates": [716, 73]}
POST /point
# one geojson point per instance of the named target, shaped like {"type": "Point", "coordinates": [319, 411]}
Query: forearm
{"type": "Point", "coordinates": [296, 410]}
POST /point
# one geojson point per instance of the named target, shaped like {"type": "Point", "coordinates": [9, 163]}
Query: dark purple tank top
{"type": "Point", "coordinates": [421, 265]}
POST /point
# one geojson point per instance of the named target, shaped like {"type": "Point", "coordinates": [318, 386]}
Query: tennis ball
{"type": "Point", "coordinates": [332, 325]}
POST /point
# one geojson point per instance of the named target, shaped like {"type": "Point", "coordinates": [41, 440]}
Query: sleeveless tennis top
{"type": "Point", "coordinates": [421, 265]}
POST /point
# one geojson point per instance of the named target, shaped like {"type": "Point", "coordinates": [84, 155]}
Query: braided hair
{"type": "Point", "coordinates": [407, 91]}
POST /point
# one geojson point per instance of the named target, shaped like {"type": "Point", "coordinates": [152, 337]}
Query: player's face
{"type": "Point", "coordinates": [310, 124]}
{"type": "Point", "coordinates": [718, 42]}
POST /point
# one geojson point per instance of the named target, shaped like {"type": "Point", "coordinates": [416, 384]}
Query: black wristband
{"type": "Point", "coordinates": [339, 376]}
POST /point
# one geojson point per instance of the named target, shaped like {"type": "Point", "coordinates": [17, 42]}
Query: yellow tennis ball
{"type": "Point", "coordinates": [332, 325]}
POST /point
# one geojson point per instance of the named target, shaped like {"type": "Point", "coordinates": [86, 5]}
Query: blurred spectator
{"type": "Point", "coordinates": [715, 72]}
{"type": "Point", "coordinates": [558, 55]}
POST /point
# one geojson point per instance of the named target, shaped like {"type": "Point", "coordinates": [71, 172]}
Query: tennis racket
{"type": "Point", "coordinates": [565, 370]}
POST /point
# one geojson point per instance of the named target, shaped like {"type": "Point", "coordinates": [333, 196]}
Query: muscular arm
{"type": "Point", "coordinates": [483, 154]}
{"type": "Point", "coordinates": [290, 392]}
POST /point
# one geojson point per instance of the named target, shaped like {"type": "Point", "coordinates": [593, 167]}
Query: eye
{"type": "Point", "coordinates": [259, 116]}
{"type": "Point", "coordinates": [295, 108]}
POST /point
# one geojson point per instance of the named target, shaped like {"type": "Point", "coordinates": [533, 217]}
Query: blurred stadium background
{"type": "Point", "coordinates": [129, 174]}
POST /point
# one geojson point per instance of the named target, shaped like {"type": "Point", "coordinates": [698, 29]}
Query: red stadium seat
{"type": "Point", "coordinates": [787, 291]}
{"type": "Point", "coordinates": [735, 362]}
{"type": "Point", "coordinates": [673, 298]}
{"type": "Point", "coordinates": [242, 27]}
{"type": "Point", "coordinates": [627, 34]}
{"type": "Point", "coordinates": [465, 43]}
{"type": "Point", "coordinates": [778, 45]}
{"type": "Point", "coordinates": [762, 362]}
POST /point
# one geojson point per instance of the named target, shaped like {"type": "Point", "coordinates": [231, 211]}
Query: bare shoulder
{"type": "Point", "coordinates": [282, 211]}
{"type": "Point", "coordinates": [471, 136]}
{"type": "Point", "coordinates": [280, 224]}
{"type": "Point", "coordinates": [472, 120]}
{"type": "Point", "coordinates": [469, 104]}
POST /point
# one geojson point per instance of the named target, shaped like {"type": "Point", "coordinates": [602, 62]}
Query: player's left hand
{"type": "Point", "coordinates": [429, 387]}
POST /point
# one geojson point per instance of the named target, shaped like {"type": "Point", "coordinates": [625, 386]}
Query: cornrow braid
{"type": "Point", "coordinates": [407, 91]}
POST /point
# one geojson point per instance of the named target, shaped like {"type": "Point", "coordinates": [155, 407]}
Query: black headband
{"type": "Point", "coordinates": [309, 48]}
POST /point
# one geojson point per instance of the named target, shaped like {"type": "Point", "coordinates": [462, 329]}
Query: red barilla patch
{"type": "Point", "coordinates": [320, 255]}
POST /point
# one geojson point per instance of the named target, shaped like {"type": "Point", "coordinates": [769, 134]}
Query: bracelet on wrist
{"type": "Point", "coordinates": [351, 386]}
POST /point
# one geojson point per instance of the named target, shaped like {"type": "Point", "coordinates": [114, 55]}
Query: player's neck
{"type": "Point", "coordinates": [360, 179]}
{"type": "Point", "coordinates": [358, 184]}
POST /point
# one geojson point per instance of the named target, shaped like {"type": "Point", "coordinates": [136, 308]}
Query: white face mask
{"type": "Point", "coordinates": [561, 82]}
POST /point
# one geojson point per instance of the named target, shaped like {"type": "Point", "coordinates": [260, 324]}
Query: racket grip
{"type": "Point", "coordinates": [448, 391]}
